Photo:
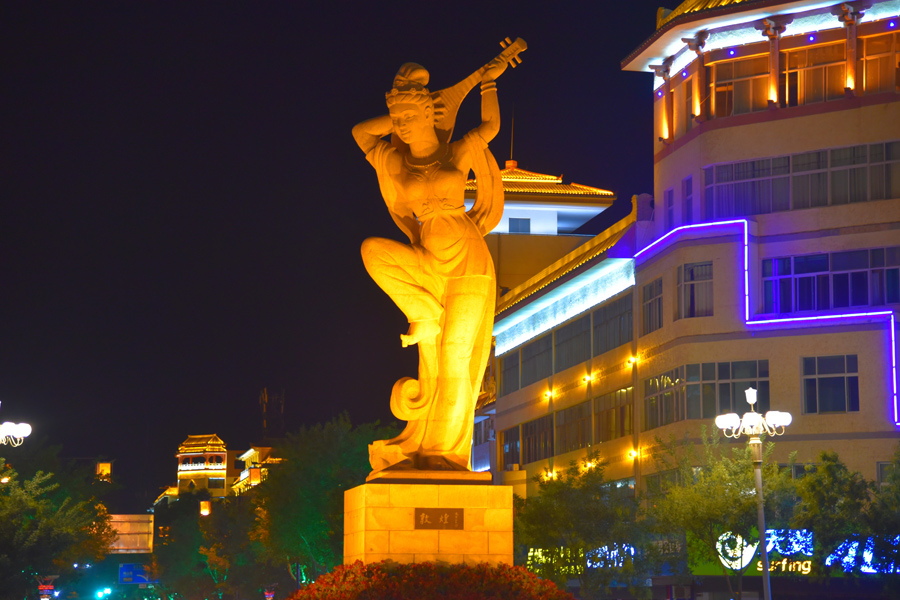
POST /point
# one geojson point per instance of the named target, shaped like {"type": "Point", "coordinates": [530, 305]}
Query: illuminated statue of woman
{"type": "Point", "coordinates": [443, 280]}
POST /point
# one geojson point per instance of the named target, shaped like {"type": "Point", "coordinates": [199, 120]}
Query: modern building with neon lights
{"type": "Point", "coordinates": [767, 257]}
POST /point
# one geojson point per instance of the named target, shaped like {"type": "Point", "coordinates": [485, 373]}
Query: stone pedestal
{"type": "Point", "coordinates": [425, 521]}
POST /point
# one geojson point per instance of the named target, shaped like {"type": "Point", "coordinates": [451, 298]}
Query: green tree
{"type": "Point", "coordinates": [580, 526]}
{"type": "Point", "coordinates": [718, 497]}
{"type": "Point", "coordinates": [883, 518]}
{"type": "Point", "coordinates": [833, 502]}
{"type": "Point", "coordinates": [44, 530]}
{"type": "Point", "coordinates": [300, 518]}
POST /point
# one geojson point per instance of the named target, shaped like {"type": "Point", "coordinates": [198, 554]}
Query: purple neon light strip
{"type": "Point", "coordinates": [747, 321]}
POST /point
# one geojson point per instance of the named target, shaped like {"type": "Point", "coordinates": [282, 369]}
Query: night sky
{"type": "Point", "coordinates": [182, 203]}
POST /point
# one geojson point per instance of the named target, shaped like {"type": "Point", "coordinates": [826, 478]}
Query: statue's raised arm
{"type": "Point", "coordinates": [444, 280]}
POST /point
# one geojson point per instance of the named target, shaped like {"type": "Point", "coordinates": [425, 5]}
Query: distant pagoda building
{"type": "Point", "coordinates": [205, 463]}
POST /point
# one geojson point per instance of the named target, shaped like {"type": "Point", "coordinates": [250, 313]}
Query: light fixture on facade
{"type": "Point", "coordinates": [205, 508]}
{"type": "Point", "coordinates": [753, 424]}
{"type": "Point", "coordinates": [586, 378]}
{"type": "Point", "coordinates": [633, 454]}
{"type": "Point", "coordinates": [548, 394]}
{"type": "Point", "coordinates": [631, 361]}
{"type": "Point", "coordinates": [14, 433]}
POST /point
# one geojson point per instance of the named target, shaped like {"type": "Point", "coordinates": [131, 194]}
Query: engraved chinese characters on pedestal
{"type": "Point", "coordinates": [443, 280]}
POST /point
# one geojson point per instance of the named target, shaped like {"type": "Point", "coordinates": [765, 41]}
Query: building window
{"type": "Point", "coordinates": [704, 390]}
{"type": "Point", "coordinates": [509, 373]}
{"type": "Point", "coordinates": [688, 85]}
{"type": "Point", "coordinates": [614, 415]}
{"type": "Point", "coordinates": [660, 483]}
{"type": "Point", "coordinates": [879, 65]}
{"type": "Point", "coordinates": [573, 343]}
{"type": "Point", "coordinates": [651, 306]}
{"type": "Point", "coordinates": [809, 180]}
{"type": "Point", "coordinates": [484, 431]}
{"type": "Point", "coordinates": [813, 75]}
{"type": "Point", "coordinates": [573, 428]}
{"type": "Point", "coordinates": [519, 225]}
{"type": "Point", "coordinates": [836, 280]}
{"type": "Point", "coordinates": [613, 325]}
{"type": "Point", "coordinates": [217, 483]}
{"type": "Point", "coordinates": [695, 290]}
{"type": "Point", "coordinates": [884, 472]}
{"type": "Point", "coordinates": [687, 200]}
{"type": "Point", "coordinates": [537, 439]}
{"type": "Point", "coordinates": [510, 445]}
{"type": "Point", "coordinates": [830, 384]}
{"type": "Point", "coordinates": [664, 399]}
{"type": "Point", "coordinates": [884, 170]}
{"type": "Point", "coordinates": [741, 86]}
{"type": "Point", "coordinates": [537, 360]}
{"type": "Point", "coordinates": [669, 197]}
{"type": "Point", "coordinates": [798, 471]}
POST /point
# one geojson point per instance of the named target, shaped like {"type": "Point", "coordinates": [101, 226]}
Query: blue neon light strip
{"type": "Point", "coordinates": [889, 314]}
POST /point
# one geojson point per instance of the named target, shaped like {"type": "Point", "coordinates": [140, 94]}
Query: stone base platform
{"type": "Point", "coordinates": [429, 521]}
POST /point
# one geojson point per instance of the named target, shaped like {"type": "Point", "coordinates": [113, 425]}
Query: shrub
{"type": "Point", "coordinates": [388, 580]}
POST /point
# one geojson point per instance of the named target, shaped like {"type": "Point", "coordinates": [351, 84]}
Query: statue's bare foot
{"type": "Point", "coordinates": [420, 331]}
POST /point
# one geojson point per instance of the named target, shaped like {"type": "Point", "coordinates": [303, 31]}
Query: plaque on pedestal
{"type": "Point", "coordinates": [418, 522]}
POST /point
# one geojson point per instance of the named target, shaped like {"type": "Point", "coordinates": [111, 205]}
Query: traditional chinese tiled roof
{"type": "Point", "coordinates": [693, 6]}
{"type": "Point", "coordinates": [568, 263]}
{"type": "Point", "coordinates": [520, 181]}
{"type": "Point", "coordinates": [202, 443]}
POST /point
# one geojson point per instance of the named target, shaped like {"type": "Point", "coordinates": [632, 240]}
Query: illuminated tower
{"type": "Point", "coordinates": [205, 463]}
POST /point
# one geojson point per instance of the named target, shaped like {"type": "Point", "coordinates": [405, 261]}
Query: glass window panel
{"type": "Point", "coordinates": [892, 150]}
{"type": "Point", "coordinates": [509, 374]}
{"type": "Point", "coordinates": [892, 180]}
{"type": "Point", "coordinates": [767, 268]}
{"type": "Point", "coordinates": [892, 286]}
{"type": "Point", "coordinates": [809, 394]}
{"type": "Point", "coordinates": [811, 161]}
{"type": "Point", "coordinates": [835, 82]}
{"type": "Point", "coordinates": [852, 363]}
{"type": "Point", "coordinates": [841, 290]}
{"type": "Point", "coordinates": [742, 97]}
{"type": "Point", "coordinates": [760, 93]}
{"type": "Point", "coordinates": [814, 263]}
{"type": "Point", "coordinates": [694, 402]}
{"type": "Point", "coordinates": [823, 299]}
{"type": "Point", "coordinates": [744, 369]}
{"type": "Point", "coordinates": [725, 71]}
{"type": "Point", "coordinates": [693, 373]}
{"type": "Point", "coordinates": [781, 194]}
{"type": "Point", "coordinates": [814, 90]}
{"type": "Point", "coordinates": [762, 397]}
{"type": "Point", "coordinates": [878, 44]}
{"type": "Point", "coordinates": [725, 370]}
{"type": "Point", "coordinates": [781, 165]}
{"type": "Point", "coordinates": [709, 371]}
{"type": "Point", "coordinates": [892, 256]}
{"type": "Point", "coordinates": [573, 343]}
{"type": "Point", "coordinates": [876, 153]}
{"type": "Point", "coordinates": [859, 288]}
{"type": "Point", "coordinates": [826, 54]}
{"type": "Point", "coordinates": [784, 295]}
{"type": "Point", "coordinates": [797, 60]}
{"type": "Point", "coordinates": [832, 394]}
{"type": "Point", "coordinates": [806, 293]}
{"type": "Point", "coordinates": [809, 366]}
{"type": "Point", "coordinates": [724, 398]}
{"type": "Point", "coordinates": [751, 66]}
{"type": "Point", "coordinates": [768, 296]}
{"type": "Point", "coordinates": [877, 287]}
{"type": "Point", "coordinates": [709, 400]}
{"type": "Point", "coordinates": [848, 261]}
{"type": "Point", "coordinates": [763, 368]}
{"type": "Point", "coordinates": [853, 394]}
{"type": "Point", "coordinates": [876, 257]}
{"type": "Point", "coordinates": [876, 176]}
{"type": "Point", "coordinates": [840, 187]}
{"type": "Point", "coordinates": [828, 365]}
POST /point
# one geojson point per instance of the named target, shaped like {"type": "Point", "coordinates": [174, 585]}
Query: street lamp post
{"type": "Point", "coordinates": [754, 425]}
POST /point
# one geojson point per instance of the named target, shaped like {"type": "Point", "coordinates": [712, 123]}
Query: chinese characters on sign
{"type": "Point", "coordinates": [439, 518]}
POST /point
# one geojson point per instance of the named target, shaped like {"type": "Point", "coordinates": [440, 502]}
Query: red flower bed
{"type": "Point", "coordinates": [391, 581]}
